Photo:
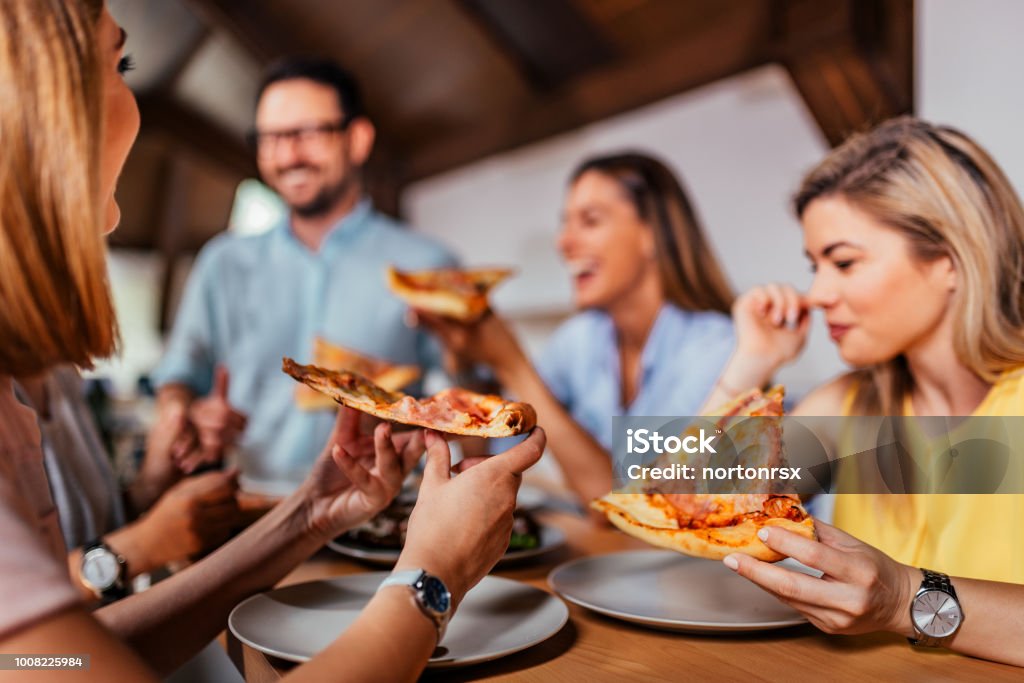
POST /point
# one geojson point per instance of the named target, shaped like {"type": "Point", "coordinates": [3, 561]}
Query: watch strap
{"type": "Point", "coordinates": [413, 579]}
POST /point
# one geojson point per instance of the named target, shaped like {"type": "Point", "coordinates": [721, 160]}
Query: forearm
{"type": "Point", "coordinates": [390, 635]}
{"type": "Point", "coordinates": [741, 373]}
{"type": "Point", "coordinates": [173, 620]}
{"type": "Point", "coordinates": [993, 627]}
{"type": "Point", "coordinates": [174, 393]}
{"type": "Point", "coordinates": [129, 543]}
{"type": "Point", "coordinates": [586, 465]}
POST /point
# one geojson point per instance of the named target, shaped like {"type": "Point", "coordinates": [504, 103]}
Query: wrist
{"type": "Point", "coordinates": [908, 582]}
{"type": "Point", "coordinates": [746, 370]}
{"type": "Point", "coordinates": [415, 560]}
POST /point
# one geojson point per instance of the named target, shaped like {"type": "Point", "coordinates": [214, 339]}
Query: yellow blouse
{"type": "Point", "coordinates": [969, 535]}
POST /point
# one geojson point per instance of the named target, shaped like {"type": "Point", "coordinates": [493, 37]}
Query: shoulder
{"type": "Point", "coordinates": [833, 398]}
{"type": "Point", "coordinates": [702, 324]}
{"type": "Point", "coordinates": [414, 249]}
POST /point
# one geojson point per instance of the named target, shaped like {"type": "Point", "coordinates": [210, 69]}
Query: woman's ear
{"type": "Point", "coordinates": [947, 272]}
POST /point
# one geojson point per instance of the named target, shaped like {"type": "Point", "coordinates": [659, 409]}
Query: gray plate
{"type": "Point", "coordinates": [667, 590]}
{"type": "Point", "coordinates": [496, 618]}
{"type": "Point", "coordinates": [551, 538]}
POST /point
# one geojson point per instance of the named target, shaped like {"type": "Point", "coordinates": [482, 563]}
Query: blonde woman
{"type": "Point", "coordinates": [653, 331]}
{"type": "Point", "coordinates": [916, 239]}
{"type": "Point", "coordinates": [67, 121]}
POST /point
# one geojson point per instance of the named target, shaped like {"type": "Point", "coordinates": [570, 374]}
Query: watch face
{"type": "Point", "coordinates": [100, 568]}
{"type": "Point", "coordinates": [936, 613]}
{"type": "Point", "coordinates": [435, 595]}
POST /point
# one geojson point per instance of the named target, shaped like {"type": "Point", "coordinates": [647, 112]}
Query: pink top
{"type": "Point", "coordinates": [34, 580]}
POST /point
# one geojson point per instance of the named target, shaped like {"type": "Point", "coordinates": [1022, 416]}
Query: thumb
{"type": "Point", "coordinates": [438, 466]}
{"type": "Point", "coordinates": [220, 382]}
{"type": "Point", "coordinates": [525, 454]}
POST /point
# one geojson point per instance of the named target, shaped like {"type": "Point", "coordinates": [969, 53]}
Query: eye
{"type": "Point", "coordinates": [813, 267]}
{"type": "Point", "coordinates": [844, 265]}
{"type": "Point", "coordinates": [125, 64]}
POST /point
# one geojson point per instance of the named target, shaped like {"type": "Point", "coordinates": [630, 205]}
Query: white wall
{"type": "Point", "coordinates": [969, 61]}
{"type": "Point", "coordinates": [741, 146]}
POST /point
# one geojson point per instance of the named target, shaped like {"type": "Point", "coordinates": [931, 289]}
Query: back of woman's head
{"type": "Point", "coordinates": [690, 275]}
{"type": "Point", "coordinates": [948, 198]}
{"type": "Point", "coordinates": [55, 304]}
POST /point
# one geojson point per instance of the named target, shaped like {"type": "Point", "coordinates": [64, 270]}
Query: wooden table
{"type": "Point", "coordinates": [594, 648]}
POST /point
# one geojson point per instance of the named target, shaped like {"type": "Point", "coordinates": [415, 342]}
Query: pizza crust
{"type": "Point", "coordinates": [495, 416]}
{"type": "Point", "coordinates": [652, 524]}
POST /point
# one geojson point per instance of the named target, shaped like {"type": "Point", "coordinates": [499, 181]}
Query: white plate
{"type": "Point", "coordinates": [667, 590]}
{"type": "Point", "coordinates": [551, 538]}
{"type": "Point", "coordinates": [496, 618]}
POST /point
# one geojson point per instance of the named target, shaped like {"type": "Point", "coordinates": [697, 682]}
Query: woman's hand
{"type": "Point", "coordinates": [195, 515]}
{"type": "Point", "coordinates": [861, 589]}
{"type": "Point", "coordinates": [461, 526]}
{"type": "Point", "coordinates": [771, 325]}
{"type": "Point", "coordinates": [216, 423]}
{"type": "Point", "coordinates": [488, 340]}
{"type": "Point", "coordinates": [357, 475]}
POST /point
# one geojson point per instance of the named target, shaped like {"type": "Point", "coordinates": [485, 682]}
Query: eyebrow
{"type": "Point", "coordinates": [830, 248]}
{"type": "Point", "coordinates": [121, 40]}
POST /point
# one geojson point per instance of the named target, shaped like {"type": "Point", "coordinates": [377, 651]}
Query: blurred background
{"type": "Point", "coordinates": [483, 107]}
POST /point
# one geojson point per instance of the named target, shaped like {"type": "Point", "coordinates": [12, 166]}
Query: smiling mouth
{"type": "Point", "coordinates": [581, 271]}
{"type": "Point", "coordinates": [837, 331]}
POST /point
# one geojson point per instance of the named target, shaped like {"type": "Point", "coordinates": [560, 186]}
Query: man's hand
{"type": "Point", "coordinates": [217, 425]}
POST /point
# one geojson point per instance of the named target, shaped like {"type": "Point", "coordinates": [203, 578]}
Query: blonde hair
{"type": "Point", "coordinates": [690, 275]}
{"type": "Point", "coordinates": [948, 197]}
{"type": "Point", "coordinates": [55, 305]}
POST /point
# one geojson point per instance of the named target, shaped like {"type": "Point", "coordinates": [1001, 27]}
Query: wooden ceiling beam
{"type": "Point", "coordinates": [248, 23]}
{"type": "Point", "coordinates": [850, 60]}
{"type": "Point", "coordinates": [197, 133]}
{"type": "Point", "coordinates": [734, 43]}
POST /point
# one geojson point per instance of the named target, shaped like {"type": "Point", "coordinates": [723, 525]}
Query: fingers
{"type": "Point", "coordinates": [525, 454]}
{"type": "Point", "coordinates": [212, 487]}
{"type": "Point", "coordinates": [836, 538]}
{"type": "Point", "coordinates": [220, 382]}
{"type": "Point", "coordinates": [412, 449]}
{"type": "Point", "coordinates": [467, 463]}
{"type": "Point", "coordinates": [784, 583]}
{"type": "Point", "coordinates": [389, 466]}
{"type": "Point", "coordinates": [346, 426]}
{"type": "Point", "coordinates": [373, 487]}
{"type": "Point", "coordinates": [437, 469]}
{"type": "Point", "coordinates": [810, 552]}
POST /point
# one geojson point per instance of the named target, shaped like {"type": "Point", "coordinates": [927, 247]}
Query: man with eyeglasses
{"type": "Point", "coordinates": [251, 300]}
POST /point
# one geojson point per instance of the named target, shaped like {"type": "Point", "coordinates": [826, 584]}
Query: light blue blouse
{"type": "Point", "coordinates": [683, 357]}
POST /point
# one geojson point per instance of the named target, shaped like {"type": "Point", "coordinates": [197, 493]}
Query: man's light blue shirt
{"type": "Point", "coordinates": [251, 300]}
{"type": "Point", "coordinates": [681, 361]}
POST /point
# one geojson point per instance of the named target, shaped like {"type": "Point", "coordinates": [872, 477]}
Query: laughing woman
{"type": "Point", "coordinates": [654, 330]}
{"type": "Point", "coordinates": [916, 239]}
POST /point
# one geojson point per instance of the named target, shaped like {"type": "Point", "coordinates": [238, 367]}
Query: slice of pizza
{"type": "Point", "coordinates": [450, 292]}
{"type": "Point", "coordinates": [382, 373]}
{"type": "Point", "coordinates": [455, 410]}
{"type": "Point", "coordinates": [715, 525]}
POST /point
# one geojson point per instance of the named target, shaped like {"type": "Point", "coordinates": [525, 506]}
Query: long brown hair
{"type": "Point", "coordinates": [947, 197]}
{"type": "Point", "coordinates": [55, 304]}
{"type": "Point", "coordinates": [690, 275]}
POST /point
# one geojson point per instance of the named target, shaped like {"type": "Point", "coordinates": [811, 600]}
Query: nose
{"type": "Point", "coordinates": [823, 292]}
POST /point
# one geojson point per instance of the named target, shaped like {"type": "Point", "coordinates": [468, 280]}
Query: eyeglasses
{"type": "Point", "coordinates": [265, 141]}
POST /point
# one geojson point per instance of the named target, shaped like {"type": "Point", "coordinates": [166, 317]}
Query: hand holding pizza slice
{"type": "Point", "coordinates": [460, 294]}
{"type": "Point", "coordinates": [455, 410]}
{"type": "Point", "coordinates": [716, 525]}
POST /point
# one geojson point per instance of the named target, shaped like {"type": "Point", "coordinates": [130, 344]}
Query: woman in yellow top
{"type": "Point", "coordinates": [916, 239]}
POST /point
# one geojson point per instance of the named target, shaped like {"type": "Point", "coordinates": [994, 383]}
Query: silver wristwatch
{"type": "Point", "coordinates": [430, 594]}
{"type": "Point", "coordinates": [935, 611]}
{"type": "Point", "coordinates": [104, 572]}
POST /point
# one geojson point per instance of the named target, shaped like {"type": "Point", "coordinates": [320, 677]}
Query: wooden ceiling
{"type": "Point", "coordinates": [448, 82]}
